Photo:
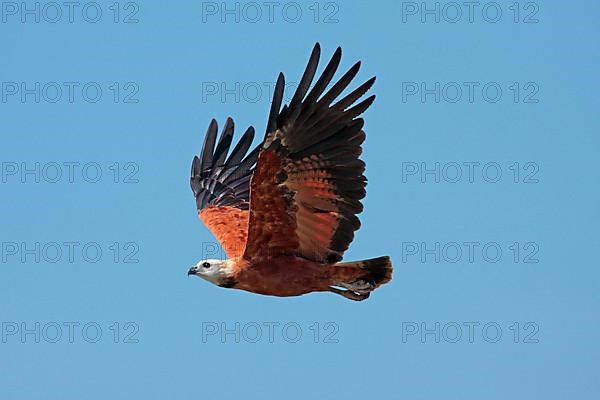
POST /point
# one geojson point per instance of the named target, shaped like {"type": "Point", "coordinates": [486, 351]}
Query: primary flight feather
{"type": "Point", "coordinates": [286, 211]}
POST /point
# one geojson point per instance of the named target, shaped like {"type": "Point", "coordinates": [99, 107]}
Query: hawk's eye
{"type": "Point", "coordinates": [206, 264]}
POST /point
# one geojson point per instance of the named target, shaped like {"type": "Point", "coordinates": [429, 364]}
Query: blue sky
{"type": "Point", "coordinates": [481, 155]}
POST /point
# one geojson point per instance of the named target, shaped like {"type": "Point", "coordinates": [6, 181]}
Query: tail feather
{"type": "Point", "coordinates": [360, 278]}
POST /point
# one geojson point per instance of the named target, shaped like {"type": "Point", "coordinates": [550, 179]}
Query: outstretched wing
{"type": "Point", "coordinates": [221, 186]}
{"type": "Point", "coordinates": [308, 183]}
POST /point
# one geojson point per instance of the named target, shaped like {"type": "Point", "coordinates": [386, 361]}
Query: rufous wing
{"type": "Point", "coordinates": [305, 192]}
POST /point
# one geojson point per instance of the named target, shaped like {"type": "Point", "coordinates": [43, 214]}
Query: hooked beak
{"type": "Point", "coordinates": [192, 271]}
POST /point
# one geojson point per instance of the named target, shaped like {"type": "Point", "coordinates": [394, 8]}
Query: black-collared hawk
{"type": "Point", "coordinates": [286, 211]}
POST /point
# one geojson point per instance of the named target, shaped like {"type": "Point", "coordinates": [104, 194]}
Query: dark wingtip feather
{"type": "Point", "coordinates": [276, 103]}
{"type": "Point", "coordinates": [305, 81]}
{"type": "Point", "coordinates": [361, 107]}
{"type": "Point", "coordinates": [224, 143]}
{"type": "Point", "coordinates": [340, 85]}
{"type": "Point", "coordinates": [208, 147]}
{"type": "Point", "coordinates": [195, 166]}
{"type": "Point", "coordinates": [326, 77]}
{"type": "Point", "coordinates": [355, 95]}
{"type": "Point", "coordinates": [239, 151]}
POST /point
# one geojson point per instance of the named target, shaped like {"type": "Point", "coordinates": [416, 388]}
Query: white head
{"type": "Point", "coordinates": [216, 271]}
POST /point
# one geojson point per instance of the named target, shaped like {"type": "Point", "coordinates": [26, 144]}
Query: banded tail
{"type": "Point", "coordinates": [356, 280]}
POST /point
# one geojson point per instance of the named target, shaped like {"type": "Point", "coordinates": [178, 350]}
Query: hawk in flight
{"type": "Point", "coordinates": [285, 212]}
